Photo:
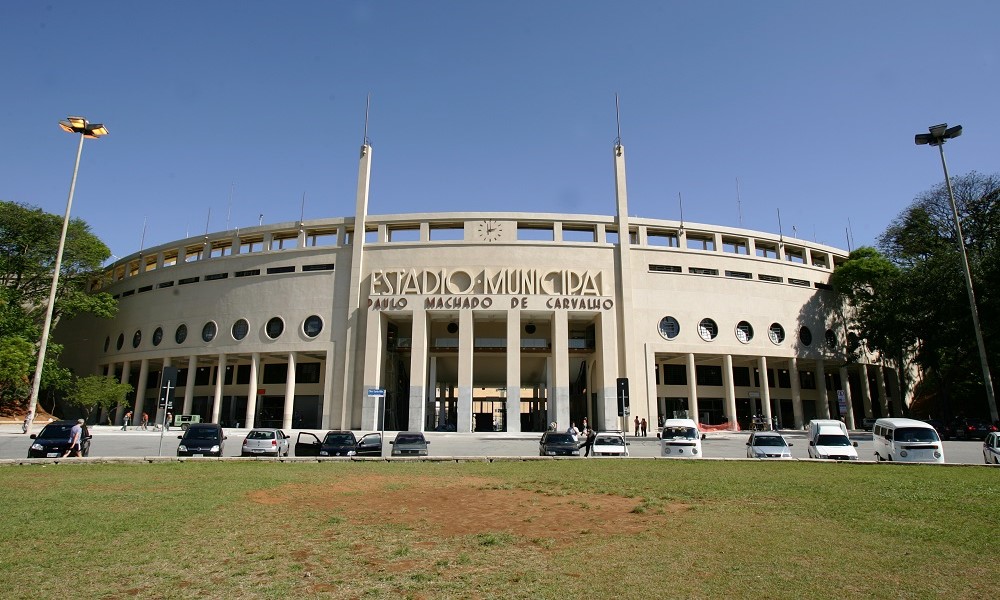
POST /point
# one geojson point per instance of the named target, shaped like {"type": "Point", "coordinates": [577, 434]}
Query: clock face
{"type": "Point", "coordinates": [489, 230]}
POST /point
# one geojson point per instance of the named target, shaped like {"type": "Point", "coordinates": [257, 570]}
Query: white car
{"type": "Point", "coordinates": [610, 443]}
{"type": "Point", "coordinates": [831, 443]}
{"type": "Point", "coordinates": [680, 438]}
{"type": "Point", "coordinates": [768, 444]}
{"type": "Point", "coordinates": [991, 448]}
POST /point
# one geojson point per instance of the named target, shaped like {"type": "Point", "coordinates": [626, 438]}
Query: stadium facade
{"type": "Point", "coordinates": [479, 321]}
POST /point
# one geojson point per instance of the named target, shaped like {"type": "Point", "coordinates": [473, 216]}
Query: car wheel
{"type": "Point", "coordinates": [878, 458]}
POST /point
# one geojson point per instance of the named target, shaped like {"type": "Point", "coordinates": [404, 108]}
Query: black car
{"type": "Point", "coordinates": [338, 443]}
{"type": "Point", "coordinates": [558, 444]}
{"type": "Point", "coordinates": [971, 429]}
{"type": "Point", "coordinates": [53, 440]}
{"type": "Point", "coordinates": [202, 439]}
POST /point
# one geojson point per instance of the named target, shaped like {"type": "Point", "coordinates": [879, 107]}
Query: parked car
{"type": "Point", "coordinates": [868, 423]}
{"type": "Point", "coordinates": [944, 430]}
{"type": "Point", "coordinates": [828, 441]}
{"type": "Point", "coordinates": [409, 443]}
{"type": "Point", "coordinates": [338, 443]}
{"type": "Point", "coordinates": [991, 448]}
{"type": "Point", "coordinates": [53, 440]}
{"type": "Point", "coordinates": [265, 442]}
{"type": "Point", "coordinates": [768, 444]}
{"type": "Point", "coordinates": [680, 438]}
{"type": "Point", "coordinates": [610, 443]}
{"type": "Point", "coordinates": [554, 443]}
{"type": "Point", "coordinates": [971, 429]}
{"type": "Point", "coordinates": [202, 439]}
{"type": "Point", "coordinates": [906, 440]}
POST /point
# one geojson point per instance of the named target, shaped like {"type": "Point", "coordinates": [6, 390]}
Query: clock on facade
{"type": "Point", "coordinates": [489, 230]}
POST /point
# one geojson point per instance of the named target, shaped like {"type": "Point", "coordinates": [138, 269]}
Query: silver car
{"type": "Point", "coordinates": [768, 444]}
{"type": "Point", "coordinates": [265, 442]}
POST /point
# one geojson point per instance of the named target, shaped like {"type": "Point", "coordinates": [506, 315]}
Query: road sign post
{"type": "Point", "coordinates": [168, 383]}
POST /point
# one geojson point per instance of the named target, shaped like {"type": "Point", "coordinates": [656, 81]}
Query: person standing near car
{"type": "Point", "coordinates": [589, 440]}
{"type": "Point", "coordinates": [75, 433]}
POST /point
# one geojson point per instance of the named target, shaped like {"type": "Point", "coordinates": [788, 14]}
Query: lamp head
{"type": "Point", "coordinates": [938, 135]}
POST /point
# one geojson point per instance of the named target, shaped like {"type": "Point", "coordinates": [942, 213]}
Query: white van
{"type": "Point", "coordinates": [828, 440]}
{"type": "Point", "coordinates": [906, 440]}
{"type": "Point", "coordinates": [680, 438]}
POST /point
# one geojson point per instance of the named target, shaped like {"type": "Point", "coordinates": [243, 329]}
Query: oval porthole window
{"type": "Point", "coordinates": [136, 338]}
{"type": "Point", "coordinates": [157, 336]}
{"type": "Point", "coordinates": [181, 334]}
{"type": "Point", "coordinates": [208, 331]}
{"type": "Point", "coordinates": [121, 341]}
{"type": "Point", "coordinates": [805, 336]}
{"type": "Point", "coordinates": [707, 329]}
{"type": "Point", "coordinates": [240, 329]}
{"type": "Point", "coordinates": [831, 339]}
{"type": "Point", "coordinates": [669, 328]}
{"type": "Point", "coordinates": [776, 333]}
{"type": "Point", "coordinates": [107, 343]}
{"type": "Point", "coordinates": [312, 326]}
{"type": "Point", "coordinates": [744, 332]}
{"type": "Point", "coordinates": [274, 327]}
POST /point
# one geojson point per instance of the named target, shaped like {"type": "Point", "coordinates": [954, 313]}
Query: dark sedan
{"type": "Point", "coordinates": [409, 443]}
{"type": "Point", "coordinates": [53, 440]}
{"type": "Point", "coordinates": [338, 443]}
{"type": "Point", "coordinates": [202, 439]}
{"type": "Point", "coordinates": [971, 429]}
{"type": "Point", "coordinates": [558, 444]}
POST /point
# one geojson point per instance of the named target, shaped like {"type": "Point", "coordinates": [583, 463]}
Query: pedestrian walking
{"type": "Point", "coordinates": [166, 422]}
{"type": "Point", "coordinates": [28, 418]}
{"type": "Point", "coordinates": [637, 426]}
{"type": "Point", "coordinates": [145, 421]}
{"type": "Point", "coordinates": [75, 434]}
{"type": "Point", "coordinates": [125, 420]}
{"type": "Point", "coordinates": [589, 440]}
{"type": "Point", "coordinates": [642, 426]}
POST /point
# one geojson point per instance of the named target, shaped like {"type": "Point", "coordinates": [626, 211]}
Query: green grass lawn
{"type": "Point", "coordinates": [538, 529]}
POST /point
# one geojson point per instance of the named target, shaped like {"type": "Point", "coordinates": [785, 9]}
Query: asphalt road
{"type": "Point", "coordinates": [113, 442]}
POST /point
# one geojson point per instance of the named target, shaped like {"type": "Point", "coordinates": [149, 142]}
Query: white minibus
{"type": "Point", "coordinates": [906, 440]}
{"type": "Point", "coordinates": [680, 438]}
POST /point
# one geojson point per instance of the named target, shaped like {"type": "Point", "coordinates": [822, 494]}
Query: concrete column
{"type": "Point", "coordinates": [692, 380]}
{"type": "Point", "coordinates": [824, 398]}
{"type": "Point", "coordinates": [372, 419]}
{"type": "Point", "coordinates": [882, 395]}
{"type": "Point", "coordinates": [286, 415]}
{"type": "Point", "coordinates": [140, 392]}
{"type": "Point", "coordinates": [465, 351]}
{"type": "Point", "coordinates": [251, 389]}
{"type": "Point", "coordinates": [513, 403]}
{"type": "Point", "coordinates": [220, 381]}
{"type": "Point", "coordinates": [192, 370]}
{"type": "Point", "coordinates": [866, 390]}
{"type": "Point", "coordinates": [846, 382]}
{"type": "Point", "coordinates": [559, 386]}
{"type": "Point", "coordinates": [607, 340]}
{"type": "Point", "coordinates": [442, 416]}
{"type": "Point", "coordinates": [418, 371]}
{"type": "Point", "coordinates": [650, 380]}
{"type": "Point", "coordinates": [730, 391]}
{"type": "Point", "coordinates": [330, 416]}
{"type": "Point", "coordinates": [126, 366]}
{"type": "Point", "coordinates": [793, 376]}
{"type": "Point", "coordinates": [765, 389]}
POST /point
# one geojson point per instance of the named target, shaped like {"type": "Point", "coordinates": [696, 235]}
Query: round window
{"type": "Point", "coordinates": [669, 328]}
{"type": "Point", "coordinates": [707, 329]}
{"type": "Point", "coordinates": [107, 343]}
{"type": "Point", "coordinates": [240, 329]}
{"type": "Point", "coordinates": [312, 326]}
{"type": "Point", "coordinates": [121, 341]}
{"type": "Point", "coordinates": [776, 333]}
{"type": "Point", "coordinates": [274, 327]}
{"type": "Point", "coordinates": [157, 336]}
{"type": "Point", "coordinates": [181, 334]}
{"type": "Point", "coordinates": [831, 339]}
{"type": "Point", "coordinates": [744, 332]}
{"type": "Point", "coordinates": [136, 338]}
{"type": "Point", "coordinates": [208, 331]}
{"type": "Point", "coordinates": [805, 336]}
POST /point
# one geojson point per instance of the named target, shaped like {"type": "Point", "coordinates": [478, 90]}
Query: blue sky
{"type": "Point", "coordinates": [493, 106]}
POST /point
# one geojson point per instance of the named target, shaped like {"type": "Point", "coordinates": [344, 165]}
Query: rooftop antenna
{"type": "Point", "coordinates": [680, 201]}
{"type": "Point", "coordinates": [142, 240]}
{"type": "Point", "coordinates": [365, 142]}
{"type": "Point", "coordinates": [781, 236]}
{"type": "Point", "coordinates": [795, 232]}
{"type": "Point", "coordinates": [302, 210]}
{"type": "Point", "coordinates": [739, 204]}
{"type": "Point", "coordinates": [850, 234]}
{"type": "Point", "coordinates": [208, 219]}
{"type": "Point", "coordinates": [229, 211]}
{"type": "Point", "coordinates": [618, 120]}
{"type": "Point", "coordinates": [260, 219]}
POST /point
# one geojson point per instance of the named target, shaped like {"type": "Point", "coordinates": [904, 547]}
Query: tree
{"type": "Point", "coordinates": [96, 392]}
{"type": "Point", "coordinates": [29, 239]}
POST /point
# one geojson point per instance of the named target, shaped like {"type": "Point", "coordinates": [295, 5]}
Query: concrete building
{"type": "Point", "coordinates": [481, 321]}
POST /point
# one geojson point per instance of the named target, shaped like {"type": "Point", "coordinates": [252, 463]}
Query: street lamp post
{"type": "Point", "coordinates": [86, 130]}
{"type": "Point", "coordinates": [937, 136]}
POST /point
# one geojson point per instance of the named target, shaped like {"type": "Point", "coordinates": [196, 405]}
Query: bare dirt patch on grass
{"type": "Point", "coordinates": [443, 507]}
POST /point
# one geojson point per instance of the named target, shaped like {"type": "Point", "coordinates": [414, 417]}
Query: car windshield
{"type": "Point", "coordinates": [202, 433]}
{"type": "Point", "coordinates": [833, 440]}
{"type": "Point", "coordinates": [915, 434]}
{"type": "Point", "coordinates": [339, 439]}
{"type": "Point", "coordinates": [55, 432]}
{"type": "Point", "coordinates": [260, 435]}
{"type": "Point", "coordinates": [559, 438]}
{"type": "Point", "coordinates": [769, 440]}
{"type": "Point", "coordinates": [670, 433]}
{"type": "Point", "coordinates": [409, 439]}
{"type": "Point", "coordinates": [608, 441]}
